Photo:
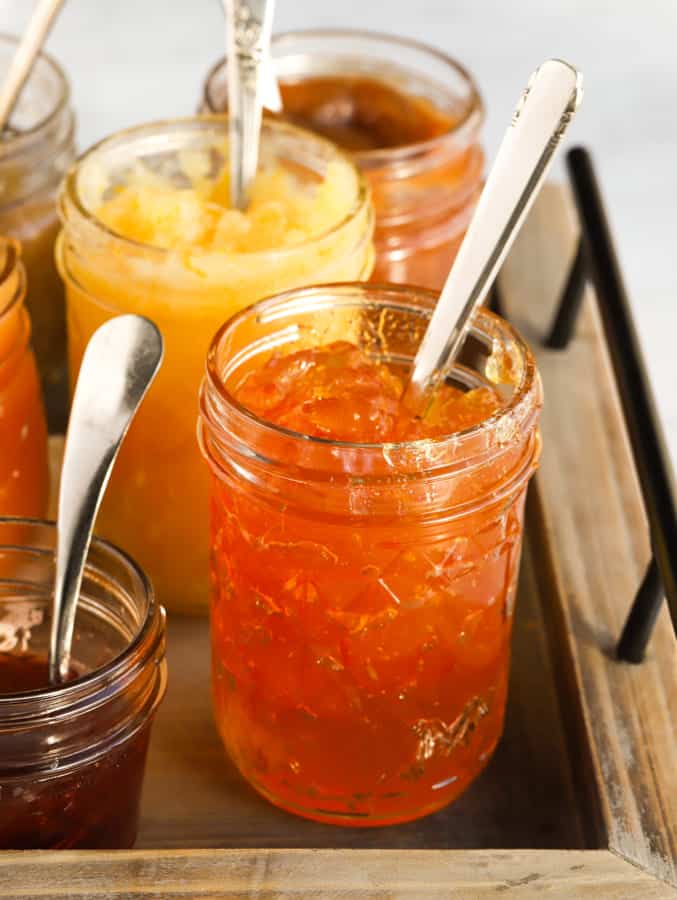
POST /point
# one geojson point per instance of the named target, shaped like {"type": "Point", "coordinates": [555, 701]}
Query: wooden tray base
{"type": "Point", "coordinates": [588, 757]}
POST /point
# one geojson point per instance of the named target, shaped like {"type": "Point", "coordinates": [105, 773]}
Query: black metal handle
{"type": "Point", "coordinates": [597, 259]}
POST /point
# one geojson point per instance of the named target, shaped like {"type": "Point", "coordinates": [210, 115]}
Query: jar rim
{"type": "Point", "coordinates": [378, 156]}
{"type": "Point", "coordinates": [401, 292]}
{"type": "Point", "coordinates": [10, 259]}
{"type": "Point", "coordinates": [17, 144]}
{"type": "Point", "coordinates": [92, 681]}
{"type": "Point", "coordinates": [11, 265]}
{"type": "Point", "coordinates": [70, 199]}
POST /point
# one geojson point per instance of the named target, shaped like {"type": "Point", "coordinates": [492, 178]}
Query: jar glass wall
{"type": "Point", "coordinates": [425, 185]}
{"type": "Point", "coordinates": [72, 757]}
{"type": "Point", "coordinates": [363, 594]}
{"type": "Point", "coordinates": [23, 433]}
{"type": "Point", "coordinates": [157, 501]}
{"type": "Point", "coordinates": [34, 156]}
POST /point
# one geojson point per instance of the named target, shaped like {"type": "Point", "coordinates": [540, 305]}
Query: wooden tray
{"type": "Point", "coordinates": [580, 799]}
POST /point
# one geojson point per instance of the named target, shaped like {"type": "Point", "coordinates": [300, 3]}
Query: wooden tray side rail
{"type": "Point", "coordinates": [591, 514]}
{"type": "Point", "coordinates": [596, 258]}
{"type": "Point", "coordinates": [328, 875]}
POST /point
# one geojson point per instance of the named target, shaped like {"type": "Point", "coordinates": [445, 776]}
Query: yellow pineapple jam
{"type": "Point", "coordinates": [283, 210]}
{"type": "Point", "coordinates": [148, 229]}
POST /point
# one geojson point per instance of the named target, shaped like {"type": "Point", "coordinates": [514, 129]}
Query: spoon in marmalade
{"type": "Point", "coordinates": [542, 116]}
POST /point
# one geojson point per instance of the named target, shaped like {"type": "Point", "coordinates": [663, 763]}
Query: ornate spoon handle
{"type": "Point", "coordinates": [545, 109]}
{"type": "Point", "coordinates": [250, 25]}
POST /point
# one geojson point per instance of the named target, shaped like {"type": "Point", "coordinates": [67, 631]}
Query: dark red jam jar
{"type": "Point", "coordinates": [72, 757]}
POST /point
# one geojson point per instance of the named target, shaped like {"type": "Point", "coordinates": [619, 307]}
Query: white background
{"type": "Point", "coordinates": [134, 60]}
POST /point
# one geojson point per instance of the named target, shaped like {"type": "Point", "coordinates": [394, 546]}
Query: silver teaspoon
{"type": "Point", "coordinates": [250, 23]}
{"type": "Point", "coordinates": [543, 114]}
{"type": "Point", "coordinates": [119, 364]}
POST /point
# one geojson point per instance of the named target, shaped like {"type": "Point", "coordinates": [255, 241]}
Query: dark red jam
{"type": "Point", "coordinates": [26, 672]}
{"type": "Point", "coordinates": [86, 805]}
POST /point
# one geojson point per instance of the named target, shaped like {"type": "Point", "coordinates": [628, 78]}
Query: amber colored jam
{"type": "Point", "coordinates": [359, 661]}
{"type": "Point", "coordinates": [90, 806]}
{"type": "Point", "coordinates": [423, 202]}
{"type": "Point", "coordinates": [362, 113]}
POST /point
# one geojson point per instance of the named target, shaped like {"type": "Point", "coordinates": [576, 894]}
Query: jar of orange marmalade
{"type": "Point", "coordinates": [23, 433]}
{"type": "Point", "coordinates": [409, 115]}
{"type": "Point", "coordinates": [362, 589]}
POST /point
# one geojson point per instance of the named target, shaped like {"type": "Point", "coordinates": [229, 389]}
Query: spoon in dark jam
{"type": "Point", "coordinates": [543, 114]}
{"type": "Point", "coordinates": [118, 366]}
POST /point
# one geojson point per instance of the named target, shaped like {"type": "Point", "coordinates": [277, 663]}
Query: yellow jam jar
{"type": "Point", "coordinates": [147, 228]}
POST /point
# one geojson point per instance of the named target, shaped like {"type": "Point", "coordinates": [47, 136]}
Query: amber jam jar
{"type": "Point", "coordinates": [411, 118]}
{"type": "Point", "coordinates": [23, 433]}
{"type": "Point", "coordinates": [363, 594]}
{"type": "Point", "coordinates": [34, 156]}
{"type": "Point", "coordinates": [72, 757]}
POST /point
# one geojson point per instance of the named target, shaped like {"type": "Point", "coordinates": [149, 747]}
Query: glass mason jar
{"type": "Point", "coordinates": [363, 594]}
{"type": "Point", "coordinates": [33, 159]}
{"type": "Point", "coordinates": [187, 294]}
{"type": "Point", "coordinates": [424, 192]}
{"type": "Point", "coordinates": [72, 757]}
{"type": "Point", "coordinates": [23, 434]}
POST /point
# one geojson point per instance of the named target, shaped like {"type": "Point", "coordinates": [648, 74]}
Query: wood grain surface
{"type": "Point", "coordinates": [588, 758]}
{"type": "Point", "coordinates": [590, 519]}
{"type": "Point", "coordinates": [193, 796]}
{"type": "Point", "coordinates": [327, 875]}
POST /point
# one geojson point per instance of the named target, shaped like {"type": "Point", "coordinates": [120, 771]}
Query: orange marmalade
{"type": "Point", "coordinates": [23, 433]}
{"type": "Point", "coordinates": [364, 563]}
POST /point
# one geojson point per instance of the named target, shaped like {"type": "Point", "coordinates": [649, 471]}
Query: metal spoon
{"type": "Point", "coordinates": [250, 23]}
{"type": "Point", "coordinates": [31, 43]}
{"type": "Point", "coordinates": [119, 364]}
{"type": "Point", "coordinates": [272, 97]}
{"type": "Point", "coordinates": [542, 115]}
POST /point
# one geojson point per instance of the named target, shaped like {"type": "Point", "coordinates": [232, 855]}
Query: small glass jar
{"type": "Point", "coordinates": [72, 757]}
{"type": "Point", "coordinates": [187, 293]}
{"type": "Point", "coordinates": [24, 480]}
{"type": "Point", "coordinates": [424, 192]}
{"type": "Point", "coordinates": [33, 159]}
{"type": "Point", "coordinates": [363, 594]}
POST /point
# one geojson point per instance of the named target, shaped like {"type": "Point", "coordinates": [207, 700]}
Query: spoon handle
{"type": "Point", "coordinates": [539, 121]}
{"type": "Point", "coordinates": [250, 23]}
{"type": "Point", "coordinates": [119, 364]}
{"type": "Point", "coordinates": [31, 43]}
